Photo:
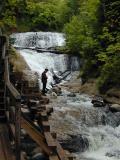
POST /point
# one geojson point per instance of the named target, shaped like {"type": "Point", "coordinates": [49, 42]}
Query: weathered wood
{"type": "Point", "coordinates": [9, 85]}
{"type": "Point", "coordinates": [53, 157]}
{"type": "Point", "coordinates": [12, 128]}
{"type": "Point", "coordinates": [50, 141]}
{"type": "Point", "coordinates": [5, 151]}
{"type": "Point", "coordinates": [3, 50]}
{"type": "Point", "coordinates": [43, 116]}
{"type": "Point", "coordinates": [61, 152]}
{"type": "Point", "coordinates": [36, 136]}
{"type": "Point", "coordinates": [46, 126]}
{"type": "Point", "coordinates": [49, 110]}
{"type": "Point", "coordinates": [16, 102]}
{"type": "Point", "coordinates": [54, 135]}
{"type": "Point", "coordinates": [17, 130]}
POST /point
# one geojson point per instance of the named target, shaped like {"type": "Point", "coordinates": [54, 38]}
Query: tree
{"type": "Point", "coordinates": [110, 38]}
{"type": "Point", "coordinates": [82, 35]}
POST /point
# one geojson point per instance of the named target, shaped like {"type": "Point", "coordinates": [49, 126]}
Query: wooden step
{"type": "Point", "coordinates": [5, 148]}
{"type": "Point", "coordinates": [50, 140]}
{"type": "Point", "coordinates": [46, 126]}
{"type": "Point", "coordinates": [43, 116]}
{"type": "Point", "coordinates": [53, 157]}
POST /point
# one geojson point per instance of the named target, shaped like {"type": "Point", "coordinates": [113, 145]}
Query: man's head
{"type": "Point", "coordinates": [46, 70]}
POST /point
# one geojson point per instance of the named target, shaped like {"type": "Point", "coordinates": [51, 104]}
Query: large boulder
{"type": "Point", "coordinates": [57, 90]}
{"type": "Point", "coordinates": [114, 108]}
{"type": "Point", "coordinates": [98, 101]}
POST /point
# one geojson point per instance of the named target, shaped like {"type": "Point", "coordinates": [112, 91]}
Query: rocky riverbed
{"type": "Point", "coordinates": [81, 128]}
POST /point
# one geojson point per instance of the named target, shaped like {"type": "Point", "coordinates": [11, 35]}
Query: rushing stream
{"type": "Point", "coordinates": [90, 133]}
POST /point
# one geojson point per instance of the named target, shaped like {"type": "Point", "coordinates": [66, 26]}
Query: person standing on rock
{"type": "Point", "coordinates": [44, 81]}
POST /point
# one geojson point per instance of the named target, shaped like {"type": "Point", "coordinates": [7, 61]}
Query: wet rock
{"type": "Point", "coordinates": [53, 95]}
{"type": "Point", "coordinates": [115, 153]}
{"type": "Point", "coordinates": [36, 150]}
{"type": "Point", "coordinates": [57, 90]}
{"type": "Point", "coordinates": [98, 101]}
{"type": "Point", "coordinates": [39, 156]}
{"type": "Point", "coordinates": [114, 108]}
{"type": "Point", "coordinates": [76, 143]}
{"type": "Point", "coordinates": [71, 95]}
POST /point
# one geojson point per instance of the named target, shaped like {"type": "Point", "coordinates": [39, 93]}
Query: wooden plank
{"type": "Point", "coordinates": [5, 151]}
{"type": "Point", "coordinates": [11, 88]}
{"type": "Point", "coordinates": [46, 126]}
{"type": "Point", "coordinates": [36, 136]}
{"type": "Point", "coordinates": [12, 128]}
{"type": "Point", "coordinates": [61, 152]}
{"type": "Point", "coordinates": [2, 157]}
{"type": "Point", "coordinates": [53, 157]}
{"type": "Point", "coordinates": [43, 116]}
{"type": "Point", "coordinates": [17, 130]}
{"type": "Point", "coordinates": [50, 141]}
{"type": "Point", "coordinates": [49, 110]}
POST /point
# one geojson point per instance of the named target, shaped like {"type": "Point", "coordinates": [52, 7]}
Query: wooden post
{"type": "Point", "coordinates": [3, 50]}
{"type": "Point", "coordinates": [17, 130]}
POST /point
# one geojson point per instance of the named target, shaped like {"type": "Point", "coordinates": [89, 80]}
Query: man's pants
{"type": "Point", "coordinates": [44, 88]}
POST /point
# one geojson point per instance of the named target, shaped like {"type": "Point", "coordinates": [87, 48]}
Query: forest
{"type": "Point", "coordinates": [92, 29]}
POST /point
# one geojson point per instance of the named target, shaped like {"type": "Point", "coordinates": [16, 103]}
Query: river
{"type": "Point", "coordinates": [89, 133]}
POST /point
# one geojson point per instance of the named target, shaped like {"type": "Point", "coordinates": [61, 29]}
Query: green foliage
{"type": "Point", "coordinates": [94, 33]}
{"type": "Point", "coordinates": [82, 36]}
{"type": "Point", "coordinates": [34, 14]}
{"type": "Point", "coordinates": [110, 55]}
{"type": "Point", "coordinates": [82, 30]}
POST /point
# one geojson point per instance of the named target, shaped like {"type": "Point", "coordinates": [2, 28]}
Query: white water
{"type": "Point", "coordinates": [38, 39]}
{"type": "Point", "coordinates": [104, 143]}
{"type": "Point", "coordinates": [77, 116]}
{"type": "Point", "coordinates": [39, 61]}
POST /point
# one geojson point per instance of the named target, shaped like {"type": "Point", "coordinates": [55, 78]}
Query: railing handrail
{"type": "Point", "coordinates": [10, 86]}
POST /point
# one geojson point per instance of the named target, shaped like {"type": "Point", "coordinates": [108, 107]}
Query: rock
{"type": "Point", "coordinates": [37, 150]}
{"type": "Point", "coordinates": [77, 143]}
{"type": "Point", "coordinates": [57, 90]}
{"type": "Point", "coordinates": [71, 95]}
{"type": "Point", "coordinates": [53, 95]}
{"type": "Point", "coordinates": [45, 100]}
{"type": "Point", "coordinates": [98, 101]}
{"type": "Point", "coordinates": [114, 108]}
{"type": "Point", "coordinates": [39, 156]}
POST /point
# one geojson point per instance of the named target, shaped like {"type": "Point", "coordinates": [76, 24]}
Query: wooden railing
{"type": "Point", "coordinates": [13, 105]}
{"type": "Point", "coordinates": [45, 139]}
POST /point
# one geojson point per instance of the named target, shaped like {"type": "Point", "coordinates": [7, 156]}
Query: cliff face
{"type": "Point", "coordinates": [17, 61]}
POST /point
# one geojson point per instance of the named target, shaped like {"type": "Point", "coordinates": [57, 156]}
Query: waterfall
{"type": "Point", "coordinates": [38, 61]}
{"type": "Point", "coordinates": [38, 39]}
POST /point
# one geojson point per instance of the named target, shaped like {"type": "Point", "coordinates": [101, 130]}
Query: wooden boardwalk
{"type": "Point", "coordinates": [5, 146]}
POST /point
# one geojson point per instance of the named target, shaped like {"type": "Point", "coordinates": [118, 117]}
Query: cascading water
{"type": "Point", "coordinates": [91, 133]}
{"type": "Point", "coordinates": [38, 39]}
{"type": "Point", "coordinates": [38, 61]}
